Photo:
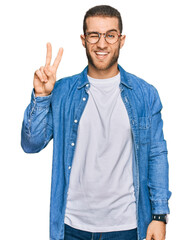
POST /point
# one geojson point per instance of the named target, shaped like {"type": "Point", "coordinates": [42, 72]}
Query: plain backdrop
{"type": "Point", "coordinates": [158, 49]}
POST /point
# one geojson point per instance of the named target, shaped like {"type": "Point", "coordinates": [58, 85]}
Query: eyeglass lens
{"type": "Point", "coordinates": [111, 37]}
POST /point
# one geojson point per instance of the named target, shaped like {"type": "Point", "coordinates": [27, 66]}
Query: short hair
{"type": "Point", "coordinates": [103, 11]}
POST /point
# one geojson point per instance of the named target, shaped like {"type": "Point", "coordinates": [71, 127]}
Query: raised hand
{"type": "Point", "coordinates": [45, 77]}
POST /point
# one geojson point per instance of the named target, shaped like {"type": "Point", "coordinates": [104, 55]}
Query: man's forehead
{"type": "Point", "coordinates": [102, 23]}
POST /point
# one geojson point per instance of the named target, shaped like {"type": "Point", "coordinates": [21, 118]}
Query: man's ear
{"type": "Point", "coordinates": [123, 37]}
{"type": "Point", "coordinates": [83, 40]}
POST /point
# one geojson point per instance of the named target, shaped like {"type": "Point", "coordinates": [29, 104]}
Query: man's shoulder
{"type": "Point", "coordinates": [64, 84]}
{"type": "Point", "coordinates": [137, 81]}
{"type": "Point", "coordinates": [140, 86]}
{"type": "Point", "coordinates": [67, 80]}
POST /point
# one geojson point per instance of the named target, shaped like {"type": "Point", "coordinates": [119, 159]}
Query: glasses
{"type": "Point", "coordinates": [111, 37]}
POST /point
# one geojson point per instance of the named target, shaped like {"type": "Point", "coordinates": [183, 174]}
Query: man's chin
{"type": "Point", "coordinates": [101, 66]}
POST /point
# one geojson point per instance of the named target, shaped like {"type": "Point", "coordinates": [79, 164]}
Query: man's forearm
{"type": "Point", "coordinates": [37, 124]}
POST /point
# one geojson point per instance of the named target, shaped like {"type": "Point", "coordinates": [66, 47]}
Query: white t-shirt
{"type": "Point", "coordinates": [101, 195]}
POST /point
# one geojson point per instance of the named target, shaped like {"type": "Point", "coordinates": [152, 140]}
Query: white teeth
{"type": "Point", "coordinates": [101, 53]}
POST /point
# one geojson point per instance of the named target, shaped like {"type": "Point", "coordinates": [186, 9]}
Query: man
{"type": "Point", "coordinates": [110, 167]}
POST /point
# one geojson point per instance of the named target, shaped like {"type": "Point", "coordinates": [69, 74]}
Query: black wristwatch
{"type": "Point", "coordinates": [160, 217]}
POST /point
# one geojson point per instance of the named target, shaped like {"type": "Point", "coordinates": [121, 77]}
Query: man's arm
{"type": "Point", "coordinates": [158, 180]}
{"type": "Point", "coordinates": [37, 124]}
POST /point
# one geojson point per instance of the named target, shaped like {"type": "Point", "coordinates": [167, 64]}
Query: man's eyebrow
{"type": "Point", "coordinates": [111, 30]}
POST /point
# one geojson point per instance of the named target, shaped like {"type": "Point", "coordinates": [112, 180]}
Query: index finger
{"type": "Point", "coordinates": [58, 58]}
{"type": "Point", "coordinates": [49, 54]}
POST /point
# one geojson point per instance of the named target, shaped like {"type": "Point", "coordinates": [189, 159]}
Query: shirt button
{"type": "Point", "coordinates": [72, 144]}
{"type": "Point", "coordinates": [75, 121]}
{"type": "Point", "coordinates": [69, 167]}
{"type": "Point", "coordinates": [87, 85]}
{"type": "Point", "coordinates": [84, 99]}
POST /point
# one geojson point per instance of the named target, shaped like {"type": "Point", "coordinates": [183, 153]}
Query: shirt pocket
{"type": "Point", "coordinates": [144, 129]}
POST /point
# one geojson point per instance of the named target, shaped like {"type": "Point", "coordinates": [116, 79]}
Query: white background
{"type": "Point", "coordinates": [158, 49]}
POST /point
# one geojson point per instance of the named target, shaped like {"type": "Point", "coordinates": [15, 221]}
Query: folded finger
{"type": "Point", "coordinates": [47, 72]}
{"type": "Point", "coordinates": [43, 73]}
{"type": "Point", "coordinates": [39, 75]}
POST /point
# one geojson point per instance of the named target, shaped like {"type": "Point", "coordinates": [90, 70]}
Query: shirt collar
{"type": "Point", "coordinates": [125, 78]}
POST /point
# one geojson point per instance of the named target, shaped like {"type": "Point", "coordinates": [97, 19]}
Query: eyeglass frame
{"type": "Point", "coordinates": [104, 34]}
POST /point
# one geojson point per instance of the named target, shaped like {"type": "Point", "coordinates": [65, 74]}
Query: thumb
{"type": "Point", "coordinates": [149, 236]}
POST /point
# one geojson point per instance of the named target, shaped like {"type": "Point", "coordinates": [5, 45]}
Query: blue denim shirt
{"type": "Point", "coordinates": [57, 116]}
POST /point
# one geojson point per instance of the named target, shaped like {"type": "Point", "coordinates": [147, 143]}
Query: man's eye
{"type": "Point", "coordinates": [93, 35]}
{"type": "Point", "coordinates": [110, 36]}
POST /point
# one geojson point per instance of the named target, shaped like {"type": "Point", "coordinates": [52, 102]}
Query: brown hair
{"type": "Point", "coordinates": [103, 11]}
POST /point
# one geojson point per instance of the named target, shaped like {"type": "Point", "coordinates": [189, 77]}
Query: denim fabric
{"type": "Point", "coordinates": [76, 234]}
{"type": "Point", "coordinates": [57, 116]}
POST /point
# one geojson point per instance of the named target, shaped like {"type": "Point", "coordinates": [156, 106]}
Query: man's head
{"type": "Point", "coordinates": [102, 37]}
{"type": "Point", "coordinates": [103, 11]}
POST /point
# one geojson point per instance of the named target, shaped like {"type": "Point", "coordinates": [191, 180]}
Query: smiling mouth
{"type": "Point", "coordinates": [101, 55]}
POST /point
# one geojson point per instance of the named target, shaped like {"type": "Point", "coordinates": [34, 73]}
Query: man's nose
{"type": "Point", "coordinates": [102, 42]}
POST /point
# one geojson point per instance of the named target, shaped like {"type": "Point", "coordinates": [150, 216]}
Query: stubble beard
{"type": "Point", "coordinates": [103, 68]}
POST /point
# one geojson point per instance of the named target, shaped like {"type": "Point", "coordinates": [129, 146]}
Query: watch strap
{"type": "Point", "coordinates": [160, 217]}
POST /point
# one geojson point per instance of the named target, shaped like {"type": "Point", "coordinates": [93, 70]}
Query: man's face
{"type": "Point", "coordinates": [102, 55]}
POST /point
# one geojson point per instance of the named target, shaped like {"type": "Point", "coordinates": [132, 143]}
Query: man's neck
{"type": "Point", "coordinates": [102, 74]}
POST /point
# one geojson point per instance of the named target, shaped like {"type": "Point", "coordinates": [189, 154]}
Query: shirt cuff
{"type": "Point", "coordinates": [43, 101]}
{"type": "Point", "coordinates": [160, 207]}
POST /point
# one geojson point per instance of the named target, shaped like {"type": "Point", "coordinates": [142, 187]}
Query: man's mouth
{"type": "Point", "coordinates": [101, 55]}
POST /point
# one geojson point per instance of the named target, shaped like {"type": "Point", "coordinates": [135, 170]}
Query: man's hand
{"type": "Point", "coordinates": [45, 78]}
{"type": "Point", "coordinates": [156, 231]}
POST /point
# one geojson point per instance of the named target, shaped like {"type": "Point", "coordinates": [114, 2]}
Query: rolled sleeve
{"type": "Point", "coordinates": [37, 124]}
{"type": "Point", "coordinates": [158, 178]}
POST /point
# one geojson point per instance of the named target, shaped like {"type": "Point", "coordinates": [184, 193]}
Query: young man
{"type": "Point", "coordinates": [110, 167]}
